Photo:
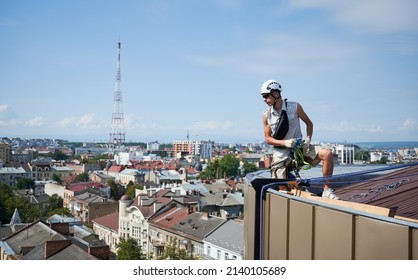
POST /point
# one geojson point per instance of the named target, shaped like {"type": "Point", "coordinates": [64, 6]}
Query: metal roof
{"type": "Point", "coordinates": [397, 190]}
{"type": "Point", "coordinates": [229, 235]}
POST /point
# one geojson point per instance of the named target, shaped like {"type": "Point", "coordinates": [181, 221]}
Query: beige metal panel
{"type": "Point", "coordinates": [333, 235]}
{"type": "Point", "coordinates": [414, 234]}
{"type": "Point", "coordinates": [249, 218]}
{"type": "Point", "coordinates": [278, 227]}
{"type": "Point", "coordinates": [379, 240]}
{"type": "Point", "coordinates": [300, 230]}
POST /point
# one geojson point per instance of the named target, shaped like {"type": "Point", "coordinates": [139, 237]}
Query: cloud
{"type": "Point", "coordinates": [382, 16]}
{"type": "Point", "coordinates": [86, 122]}
{"type": "Point", "coordinates": [67, 122]}
{"type": "Point", "coordinates": [3, 107]}
{"type": "Point", "coordinates": [409, 125]}
{"type": "Point", "coordinates": [285, 53]}
{"type": "Point", "coordinates": [347, 127]}
{"type": "Point", "coordinates": [211, 125]}
{"type": "Point", "coordinates": [36, 122]}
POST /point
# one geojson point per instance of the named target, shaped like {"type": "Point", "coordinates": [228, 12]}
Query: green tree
{"type": "Point", "coordinates": [248, 167]}
{"type": "Point", "coordinates": [25, 183]}
{"type": "Point", "coordinates": [211, 171]}
{"type": "Point", "coordinates": [172, 251]}
{"type": "Point", "coordinates": [6, 196]}
{"type": "Point", "coordinates": [56, 178]}
{"type": "Point", "coordinates": [132, 189]}
{"type": "Point", "coordinates": [362, 155]}
{"type": "Point", "coordinates": [58, 155]}
{"type": "Point", "coordinates": [229, 165]}
{"type": "Point", "coordinates": [128, 249]}
{"type": "Point", "coordinates": [116, 191]}
{"type": "Point", "coordinates": [383, 160]}
{"type": "Point", "coordinates": [83, 177]}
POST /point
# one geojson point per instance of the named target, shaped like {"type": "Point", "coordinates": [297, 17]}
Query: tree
{"type": "Point", "coordinates": [132, 190]}
{"type": "Point", "coordinates": [128, 249]}
{"type": "Point", "coordinates": [56, 178]}
{"type": "Point", "coordinates": [25, 183]}
{"type": "Point", "coordinates": [58, 155]}
{"type": "Point", "coordinates": [226, 166]}
{"type": "Point", "coordinates": [83, 177]}
{"type": "Point", "coordinates": [248, 167]}
{"type": "Point", "coordinates": [362, 155]}
{"type": "Point", "coordinates": [211, 170]}
{"type": "Point", "coordinates": [116, 191]}
{"type": "Point", "coordinates": [172, 251]}
{"type": "Point", "coordinates": [229, 165]}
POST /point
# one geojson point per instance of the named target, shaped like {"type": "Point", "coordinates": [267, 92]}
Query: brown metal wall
{"type": "Point", "coordinates": [303, 230]}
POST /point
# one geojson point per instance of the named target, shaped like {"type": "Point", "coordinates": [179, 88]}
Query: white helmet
{"type": "Point", "coordinates": [270, 85]}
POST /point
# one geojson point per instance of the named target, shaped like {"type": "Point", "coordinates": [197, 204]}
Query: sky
{"type": "Point", "coordinates": [193, 69]}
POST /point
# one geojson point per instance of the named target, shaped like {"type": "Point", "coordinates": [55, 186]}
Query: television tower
{"type": "Point", "coordinates": [117, 130]}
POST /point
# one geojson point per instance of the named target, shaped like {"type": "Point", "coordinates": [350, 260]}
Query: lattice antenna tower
{"type": "Point", "coordinates": [117, 130]}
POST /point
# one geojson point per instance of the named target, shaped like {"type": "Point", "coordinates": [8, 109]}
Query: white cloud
{"type": "Point", "coordinates": [383, 16]}
{"type": "Point", "coordinates": [87, 122]}
{"type": "Point", "coordinates": [36, 122]}
{"type": "Point", "coordinates": [3, 107]}
{"type": "Point", "coordinates": [348, 127]}
{"type": "Point", "coordinates": [409, 125]}
{"type": "Point", "coordinates": [286, 53]}
{"type": "Point", "coordinates": [211, 125]}
{"type": "Point", "coordinates": [90, 121]}
{"type": "Point", "coordinates": [67, 122]}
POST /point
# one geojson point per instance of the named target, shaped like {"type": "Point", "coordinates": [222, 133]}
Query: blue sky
{"type": "Point", "coordinates": [198, 66]}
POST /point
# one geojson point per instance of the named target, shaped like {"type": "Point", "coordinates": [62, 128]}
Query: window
{"type": "Point", "coordinates": [218, 253]}
{"type": "Point", "coordinates": [208, 251]}
{"type": "Point", "coordinates": [226, 256]}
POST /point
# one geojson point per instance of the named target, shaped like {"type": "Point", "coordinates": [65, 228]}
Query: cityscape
{"type": "Point", "coordinates": [167, 190]}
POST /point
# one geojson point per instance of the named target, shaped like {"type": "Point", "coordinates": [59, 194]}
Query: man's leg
{"type": "Point", "coordinates": [327, 158]}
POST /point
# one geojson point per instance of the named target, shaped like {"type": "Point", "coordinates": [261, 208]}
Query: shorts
{"type": "Point", "coordinates": [281, 164]}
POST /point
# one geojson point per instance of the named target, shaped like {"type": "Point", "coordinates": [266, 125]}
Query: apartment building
{"type": "Point", "coordinates": [5, 153]}
{"type": "Point", "coordinates": [201, 148]}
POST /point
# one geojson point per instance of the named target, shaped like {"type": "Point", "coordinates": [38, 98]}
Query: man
{"type": "Point", "coordinates": [290, 130]}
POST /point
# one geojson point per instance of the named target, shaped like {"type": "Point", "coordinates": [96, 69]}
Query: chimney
{"type": "Point", "coordinates": [100, 252]}
{"type": "Point", "coordinates": [54, 246]}
{"type": "Point", "coordinates": [204, 215]}
{"type": "Point", "coordinates": [63, 228]}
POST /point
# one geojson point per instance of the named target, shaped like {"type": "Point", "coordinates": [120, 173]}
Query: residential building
{"type": "Point", "coordinates": [153, 146]}
{"type": "Point", "coordinates": [11, 175]}
{"type": "Point", "coordinates": [187, 228]}
{"type": "Point", "coordinates": [107, 229]}
{"type": "Point", "coordinates": [5, 153]}
{"type": "Point", "coordinates": [88, 206]}
{"type": "Point", "coordinates": [202, 148]}
{"type": "Point", "coordinates": [134, 214]}
{"type": "Point", "coordinates": [226, 242]}
{"type": "Point", "coordinates": [54, 241]}
{"type": "Point", "coordinates": [40, 169]}
{"type": "Point", "coordinates": [346, 153]}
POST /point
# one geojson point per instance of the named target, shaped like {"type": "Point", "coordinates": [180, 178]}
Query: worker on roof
{"type": "Point", "coordinates": [282, 129]}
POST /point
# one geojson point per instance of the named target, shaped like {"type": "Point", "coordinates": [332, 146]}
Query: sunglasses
{"type": "Point", "coordinates": [265, 95]}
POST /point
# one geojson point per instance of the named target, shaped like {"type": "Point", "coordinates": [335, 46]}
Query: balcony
{"type": "Point", "coordinates": [298, 226]}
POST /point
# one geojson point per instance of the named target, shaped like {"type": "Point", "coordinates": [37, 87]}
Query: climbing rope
{"type": "Point", "coordinates": [298, 159]}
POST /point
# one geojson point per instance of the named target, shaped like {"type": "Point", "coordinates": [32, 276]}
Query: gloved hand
{"type": "Point", "coordinates": [307, 141]}
{"type": "Point", "coordinates": [289, 143]}
{"type": "Point", "coordinates": [306, 145]}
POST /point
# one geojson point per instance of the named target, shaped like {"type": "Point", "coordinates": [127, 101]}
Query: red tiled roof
{"type": "Point", "coordinates": [170, 217]}
{"type": "Point", "coordinates": [111, 221]}
{"type": "Point", "coordinates": [116, 168]}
